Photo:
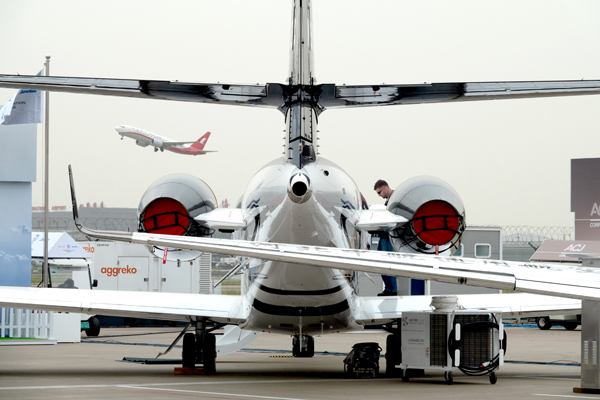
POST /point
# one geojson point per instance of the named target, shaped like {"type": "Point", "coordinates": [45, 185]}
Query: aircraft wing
{"type": "Point", "coordinates": [380, 95]}
{"type": "Point", "coordinates": [173, 143]}
{"type": "Point", "coordinates": [380, 310]}
{"type": "Point", "coordinates": [153, 305]}
{"type": "Point", "coordinates": [575, 282]}
{"type": "Point", "coordinates": [231, 94]}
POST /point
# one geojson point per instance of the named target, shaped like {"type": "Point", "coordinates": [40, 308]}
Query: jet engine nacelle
{"type": "Point", "coordinates": [141, 144]}
{"type": "Point", "coordinates": [169, 207]}
{"type": "Point", "coordinates": [157, 143]}
{"type": "Point", "coordinates": [435, 213]}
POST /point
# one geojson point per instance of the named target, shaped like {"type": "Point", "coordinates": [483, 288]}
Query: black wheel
{"type": "Point", "coordinates": [570, 326]}
{"type": "Point", "coordinates": [209, 354]}
{"type": "Point", "coordinates": [493, 378]}
{"type": "Point", "coordinates": [296, 346]}
{"type": "Point", "coordinates": [405, 375]}
{"type": "Point", "coordinates": [449, 377]}
{"type": "Point", "coordinates": [310, 346]}
{"type": "Point", "coordinates": [393, 356]}
{"type": "Point", "coordinates": [298, 351]}
{"type": "Point", "coordinates": [544, 323]}
{"type": "Point", "coordinates": [348, 370]}
{"type": "Point", "coordinates": [188, 354]}
{"type": "Point", "coordinates": [94, 329]}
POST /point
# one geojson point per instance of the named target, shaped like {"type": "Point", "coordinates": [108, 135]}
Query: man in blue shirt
{"type": "Point", "coordinates": [390, 284]}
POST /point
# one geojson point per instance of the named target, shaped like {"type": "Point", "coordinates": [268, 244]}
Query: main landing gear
{"type": "Point", "coordinates": [200, 348]}
{"type": "Point", "coordinates": [303, 345]}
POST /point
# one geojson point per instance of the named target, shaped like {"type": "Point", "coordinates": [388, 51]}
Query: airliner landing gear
{"type": "Point", "coordinates": [155, 149]}
{"type": "Point", "coordinates": [303, 346]}
{"type": "Point", "coordinates": [200, 348]}
{"type": "Point", "coordinates": [393, 355]}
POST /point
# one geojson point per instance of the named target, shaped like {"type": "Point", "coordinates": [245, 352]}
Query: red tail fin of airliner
{"type": "Point", "coordinates": [199, 145]}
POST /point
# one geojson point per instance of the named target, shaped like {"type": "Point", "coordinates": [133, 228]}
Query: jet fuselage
{"type": "Point", "coordinates": [288, 298]}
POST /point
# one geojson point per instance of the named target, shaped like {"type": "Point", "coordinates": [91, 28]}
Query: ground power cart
{"type": "Point", "coordinates": [473, 343]}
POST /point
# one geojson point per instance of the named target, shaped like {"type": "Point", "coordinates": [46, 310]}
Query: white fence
{"type": "Point", "coordinates": [17, 323]}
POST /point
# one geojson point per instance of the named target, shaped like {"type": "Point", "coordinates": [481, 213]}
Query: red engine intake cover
{"type": "Point", "coordinates": [436, 222]}
{"type": "Point", "coordinates": [166, 216]}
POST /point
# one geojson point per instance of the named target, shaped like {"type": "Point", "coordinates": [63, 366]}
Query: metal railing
{"type": "Point", "coordinates": [17, 323]}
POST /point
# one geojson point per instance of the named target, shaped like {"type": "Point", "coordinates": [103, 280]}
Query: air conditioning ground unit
{"type": "Point", "coordinates": [473, 343]}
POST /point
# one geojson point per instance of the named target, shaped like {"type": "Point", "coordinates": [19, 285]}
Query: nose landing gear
{"type": "Point", "coordinates": [303, 346]}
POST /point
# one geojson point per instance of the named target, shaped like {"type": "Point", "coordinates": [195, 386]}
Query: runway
{"type": "Point", "coordinates": [539, 366]}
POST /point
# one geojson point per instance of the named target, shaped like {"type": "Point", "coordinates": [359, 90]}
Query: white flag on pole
{"type": "Point", "coordinates": [25, 107]}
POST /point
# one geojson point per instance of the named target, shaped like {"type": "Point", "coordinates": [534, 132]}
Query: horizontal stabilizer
{"type": "Point", "coordinates": [379, 220]}
{"type": "Point", "coordinates": [379, 95]}
{"type": "Point", "coordinates": [216, 93]}
{"type": "Point", "coordinates": [223, 219]}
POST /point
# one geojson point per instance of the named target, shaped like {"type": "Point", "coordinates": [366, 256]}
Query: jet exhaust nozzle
{"type": "Point", "coordinates": [299, 190]}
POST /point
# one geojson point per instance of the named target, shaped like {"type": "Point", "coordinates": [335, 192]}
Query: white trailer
{"type": "Point", "coordinates": [127, 266]}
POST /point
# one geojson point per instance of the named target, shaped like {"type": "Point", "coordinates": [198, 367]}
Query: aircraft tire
{"type": "Point", "coordinates": [393, 356]}
{"type": "Point", "coordinates": [310, 347]}
{"type": "Point", "coordinates": [209, 354]}
{"type": "Point", "coordinates": [297, 351]}
{"type": "Point", "coordinates": [188, 353]}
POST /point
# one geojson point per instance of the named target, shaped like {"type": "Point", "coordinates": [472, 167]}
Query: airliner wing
{"type": "Point", "coordinates": [173, 143]}
{"type": "Point", "coordinates": [153, 305]}
{"type": "Point", "coordinates": [231, 94]}
{"type": "Point", "coordinates": [380, 95]}
{"type": "Point", "coordinates": [380, 310]}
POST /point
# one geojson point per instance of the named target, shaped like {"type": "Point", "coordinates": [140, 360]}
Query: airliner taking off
{"type": "Point", "coordinates": [298, 223]}
{"type": "Point", "coordinates": [144, 139]}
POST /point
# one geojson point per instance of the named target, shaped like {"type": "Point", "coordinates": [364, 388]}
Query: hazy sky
{"type": "Point", "coordinates": [509, 160]}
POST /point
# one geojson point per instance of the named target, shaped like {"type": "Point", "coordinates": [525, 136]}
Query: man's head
{"type": "Point", "coordinates": [382, 189]}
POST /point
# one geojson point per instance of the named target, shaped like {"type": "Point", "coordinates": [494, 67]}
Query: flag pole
{"type": "Point", "coordinates": [45, 268]}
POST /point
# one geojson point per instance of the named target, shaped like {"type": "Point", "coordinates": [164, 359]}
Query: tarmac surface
{"type": "Point", "coordinates": [539, 365]}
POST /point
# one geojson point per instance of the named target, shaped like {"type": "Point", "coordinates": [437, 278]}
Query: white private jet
{"type": "Point", "coordinates": [144, 139]}
{"type": "Point", "coordinates": [298, 223]}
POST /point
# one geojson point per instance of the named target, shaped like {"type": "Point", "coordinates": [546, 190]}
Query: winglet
{"type": "Point", "coordinates": [74, 200]}
{"type": "Point", "coordinates": [107, 235]}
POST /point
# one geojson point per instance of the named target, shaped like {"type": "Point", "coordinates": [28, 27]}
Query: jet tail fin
{"type": "Point", "coordinates": [200, 143]}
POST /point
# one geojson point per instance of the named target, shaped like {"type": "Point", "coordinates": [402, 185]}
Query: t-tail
{"type": "Point", "coordinates": [301, 107]}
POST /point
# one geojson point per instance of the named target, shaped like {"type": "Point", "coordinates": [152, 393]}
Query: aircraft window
{"type": "Point", "coordinates": [483, 250]}
{"type": "Point", "coordinates": [460, 251]}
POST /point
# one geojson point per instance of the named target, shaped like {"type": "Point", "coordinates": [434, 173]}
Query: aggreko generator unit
{"type": "Point", "coordinates": [473, 343]}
